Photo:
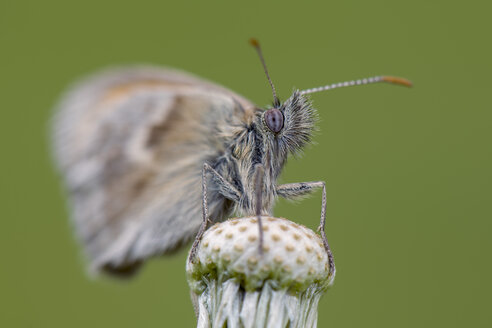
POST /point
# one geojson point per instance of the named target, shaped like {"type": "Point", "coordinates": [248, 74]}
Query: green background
{"type": "Point", "coordinates": [408, 171]}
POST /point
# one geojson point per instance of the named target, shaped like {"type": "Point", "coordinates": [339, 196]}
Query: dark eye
{"type": "Point", "coordinates": [274, 119]}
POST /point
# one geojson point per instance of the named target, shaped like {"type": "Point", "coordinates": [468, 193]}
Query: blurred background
{"type": "Point", "coordinates": [408, 171]}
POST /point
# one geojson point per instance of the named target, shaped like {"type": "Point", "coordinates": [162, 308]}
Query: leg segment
{"type": "Point", "coordinates": [296, 190]}
{"type": "Point", "coordinates": [225, 188]}
{"type": "Point", "coordinates": [258, 202]}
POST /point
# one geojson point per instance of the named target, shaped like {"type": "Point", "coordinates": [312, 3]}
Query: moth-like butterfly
{"type": "Point", "coordinates": [134, 146]}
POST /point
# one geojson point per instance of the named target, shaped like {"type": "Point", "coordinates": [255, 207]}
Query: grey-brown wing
{"type": "Point", "coordinates": [131, 145]}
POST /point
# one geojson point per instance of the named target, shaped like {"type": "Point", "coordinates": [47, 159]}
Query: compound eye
{"type": "Point", "coordinates": [274, 119]}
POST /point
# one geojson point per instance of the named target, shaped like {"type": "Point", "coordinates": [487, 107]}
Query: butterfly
{"type": "Point", "coordinates": [134, 146]}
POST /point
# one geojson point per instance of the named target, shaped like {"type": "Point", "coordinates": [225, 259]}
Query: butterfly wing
{"type": "Point", "coordinates": [131, 146]}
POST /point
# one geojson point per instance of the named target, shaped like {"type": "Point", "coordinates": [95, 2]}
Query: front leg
{"type": "Point", "coordinates": [297, 190]}
{"type": "Point", "coordinates": [225, 189]}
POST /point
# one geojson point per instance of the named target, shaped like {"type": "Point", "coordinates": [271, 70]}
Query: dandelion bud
{"type": "Point", "coordinates": [234, 284]}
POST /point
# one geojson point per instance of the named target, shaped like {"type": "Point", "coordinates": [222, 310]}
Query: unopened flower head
{"type": "Point", "coordinates": [289, 272]}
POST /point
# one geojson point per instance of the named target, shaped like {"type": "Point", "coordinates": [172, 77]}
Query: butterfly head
{"type": "Point", "coordinates": [290, 125]}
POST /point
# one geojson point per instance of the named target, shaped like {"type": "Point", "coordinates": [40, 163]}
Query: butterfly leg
{"type": "Point", "coordinates": [225, 188]}
{"type": "Point", "coordinates": [296, 190]}
{"type": "Point", "coordinates": [259, 172]}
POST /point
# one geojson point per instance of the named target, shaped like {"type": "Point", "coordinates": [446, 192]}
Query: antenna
{"type": "Point", "coordinates": [369, 80]}
{"type": "Point", "coordinates": [256, 45]}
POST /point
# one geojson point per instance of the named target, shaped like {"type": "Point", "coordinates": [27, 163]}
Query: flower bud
{"type": "Point", "coordinates": [237, 285]}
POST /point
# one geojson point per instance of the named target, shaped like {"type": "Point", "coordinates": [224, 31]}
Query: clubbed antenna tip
{"type": "Point", "coordinates": [397, 80]}
{"type": "Point", "coordinates": [254, 42]}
